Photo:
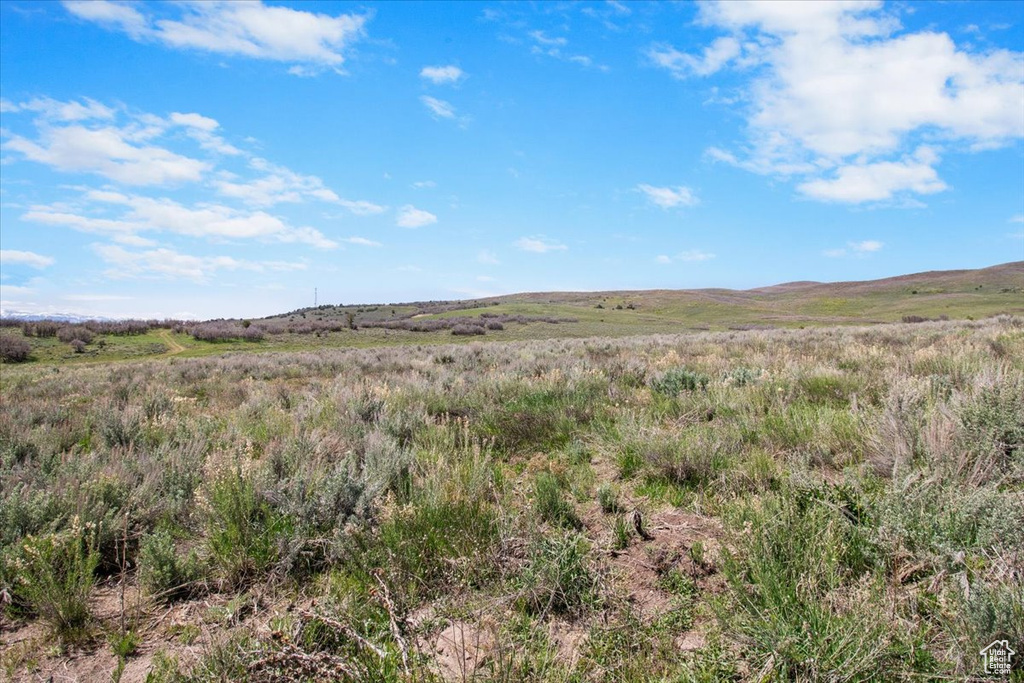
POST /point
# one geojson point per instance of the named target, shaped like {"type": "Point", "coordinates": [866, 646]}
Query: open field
{"type": "Point", "coordinates": [964, 294]}
{"type": "Point", "coordinates": [832, 503]}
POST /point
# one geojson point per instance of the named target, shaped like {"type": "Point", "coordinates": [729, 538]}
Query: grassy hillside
{"type": "Point", "coordinates": [837, 503]}
{"type": "Point", "coordinates": [957, 295]}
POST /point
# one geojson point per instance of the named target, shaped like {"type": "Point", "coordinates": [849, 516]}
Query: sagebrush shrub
{"type": "Point", "coordinates": [164, 573]}
{"type": "Point", "coordinates": [55, 574]}
{"type": "Point", "coordinates": [243, 529]}
{"type": "Point", "coordinates": [678, 380]}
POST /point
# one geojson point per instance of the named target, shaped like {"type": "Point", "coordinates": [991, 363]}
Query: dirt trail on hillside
{"type": "Point", "coordinates": [175, 347]}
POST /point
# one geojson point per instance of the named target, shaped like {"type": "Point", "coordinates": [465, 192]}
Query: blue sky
{"type": "Point", "coordinates": [225, 159]}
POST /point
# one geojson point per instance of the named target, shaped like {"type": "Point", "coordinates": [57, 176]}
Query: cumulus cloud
{"type": "Point", "coordinates": [244, 29]}
{"type": "Point", "coordinates": [487, 257]}
{"type": "Point", "coordinates": [856, 183]}
{"type": "Point", "coordinates": [440, 75]}
{"type": "Point", "coordinates": [411, 217]}
{"type": "Point", "coordinates": [25, 258]}
{"type": "Point", "coordinates": [839, 95]}
{"type": "Point", "coordinates": [539, 245]}
{"type": "Point", "coordinates": [438, 108]}
{"type": "Point", "coordinates": [669, 197]}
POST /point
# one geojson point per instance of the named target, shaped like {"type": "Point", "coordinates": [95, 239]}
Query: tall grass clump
{"type": "Point", "coordinates": [432, 545]}
{"type": "Point", "coordinates": [800, 596]}
{"type": "Point", "coordinates": [550, 502]}
{"type": "Point", "coordinates": [557, 578]}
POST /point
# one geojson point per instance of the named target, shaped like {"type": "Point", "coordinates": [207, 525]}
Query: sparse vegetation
{"type": "Point", "coordinates": [819, 504]}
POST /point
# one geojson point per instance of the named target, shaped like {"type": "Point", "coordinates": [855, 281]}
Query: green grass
{"type": "Point", "coordinates": [955, 294]}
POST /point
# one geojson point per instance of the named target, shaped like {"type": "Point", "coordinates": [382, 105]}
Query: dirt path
{"type": "Point", "coordinates": [175, 347]}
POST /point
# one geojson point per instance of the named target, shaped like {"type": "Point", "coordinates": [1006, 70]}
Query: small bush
{"type": "Point", "coordinates": [678, 380]}
{"type": "Point", "coordinates": [14, 350]}
{"type": "Point", "coordinates": [743, 376]}
{"type": "Point", "coordinates": [163, 573]}
{"type": "Point", "coordinates": [56, 577]}
{"type": "Point", "coordinates": [468, 330]}
{"type": "Point", "coordinates": [69, 334]}
{"type": "Point", "coordinates": [608, 499]}
{"type": "Point", "coordinates": [243, 529]}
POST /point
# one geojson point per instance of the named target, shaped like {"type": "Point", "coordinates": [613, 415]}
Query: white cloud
{"type": "Point", "coordinates": [694, 255]}
{"type": "Point", "coordinates": [112, 14]}
{"type": "Point", "coordinates": [423, 184]}
{"type": "Point", "coordinates": [169, 264]}
{"type": "Point", "coordinates": [839, 92]}
{"type": "Point", "coordinates": [690, 255]}
{"type": "Point", "coordinates": [487, 257]}
{"type": "Point", "coordinates": [246, 29]}
{"type": "Point", "coordinates": [362, 241]}
{"type": "Point", "coordinates": [866, 246]}
{"type": "Point", "coordinates": [201, 129]}
{"type": "Point", "coordinates": [361, 207]}
{"type": "Point", "coordinates": [146, 214]}
{"type": "Point", "coordinates": [1017, 218]}
{"type": "Point", "coordinates": [681, 65]}
{"type": "Point", "coordinates": [554, 47]}
{"type": "Point", "coordinates": [97, 297]}
{"type": "Point", "coordinates": [539, 245]}
{"type": "Point", "coordinates": [60, 111]}
{"type": "Point", "coordinates": [439, 108]}
{"type": "Point", "coordinates": [858, 249]}
{"type": "Point", "coordinates": [440, 75]}
{"type": "Point", "coordinates": [411, 217]}
{"type": "Point", "coordinates": [669, 197]}
{"type": "Point", "coordinates": [25, 258]}
{"type": "Point", "coordinates": [878, 181]}
{"type": "Point", "coordinates": [281, 185]}
{"type": "Point", "coordinates": [109, 152]}
{"type": "Point", "coordinates": [543, 39]}
{"type": "Point", "coordinates": [195, 121]}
